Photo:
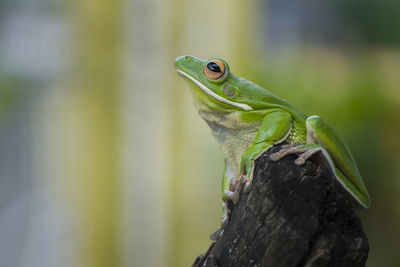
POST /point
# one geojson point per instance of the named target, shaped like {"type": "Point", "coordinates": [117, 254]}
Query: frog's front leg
{"type": "Point", "coordinates": [274, 129]}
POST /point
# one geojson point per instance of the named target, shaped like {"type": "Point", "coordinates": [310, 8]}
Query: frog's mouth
{"type": "Point", "coordinates": [209, 92]}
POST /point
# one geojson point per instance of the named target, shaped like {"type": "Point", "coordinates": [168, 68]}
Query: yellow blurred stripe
{"type": "Point", "coordinates": [97, 155]}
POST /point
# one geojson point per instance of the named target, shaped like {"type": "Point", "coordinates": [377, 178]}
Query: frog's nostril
{"type": "Point", "coordinates": [187, 57]}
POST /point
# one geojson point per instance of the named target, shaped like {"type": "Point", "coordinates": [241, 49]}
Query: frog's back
{"type": "Point", "coordinates": [261, 98]}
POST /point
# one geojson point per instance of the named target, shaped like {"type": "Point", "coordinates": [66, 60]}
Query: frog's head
{"type": "Point", "coordinates": [214, 87]}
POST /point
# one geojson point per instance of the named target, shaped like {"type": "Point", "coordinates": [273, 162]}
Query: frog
{"type": "Point", "coordinates": [247, 120]}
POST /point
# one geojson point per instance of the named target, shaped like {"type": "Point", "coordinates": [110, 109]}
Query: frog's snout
{"type": "Point", "coordinates": [181, 60]}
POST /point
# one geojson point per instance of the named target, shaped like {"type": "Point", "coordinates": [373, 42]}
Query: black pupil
{"type": "Point", "coordinates": [214, 67]}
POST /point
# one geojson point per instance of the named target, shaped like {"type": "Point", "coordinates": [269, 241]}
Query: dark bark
{"type": "Point", "coordinates": [291, 216]}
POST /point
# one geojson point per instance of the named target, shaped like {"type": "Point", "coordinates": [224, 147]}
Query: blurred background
{"type": "Point", "coordinates": [103, 159]}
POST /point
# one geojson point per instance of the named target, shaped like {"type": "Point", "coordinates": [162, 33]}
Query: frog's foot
{"type": "Point", "coordinates": [234, 190]}
{"type": "Point", "coordinates": [304, 152]}
{"type": "Point", "coordinates": [225, 219]}
{"type": "Point", "coordinates": [220, 230]}
{"type": "Point", "coordinates": [217, 233]}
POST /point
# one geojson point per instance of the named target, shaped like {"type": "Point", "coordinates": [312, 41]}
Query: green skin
{"type": "Point", "coordinates": [247, 120]}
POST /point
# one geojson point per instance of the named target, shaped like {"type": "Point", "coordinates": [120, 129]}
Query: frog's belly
{"type": "Point", "coordinates": [232, 134]}
{"type": "Point", "coordinates": [234, 143]}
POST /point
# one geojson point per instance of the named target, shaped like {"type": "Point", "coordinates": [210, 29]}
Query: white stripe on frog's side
{"type": "Point", "coordinates": [214, 95]}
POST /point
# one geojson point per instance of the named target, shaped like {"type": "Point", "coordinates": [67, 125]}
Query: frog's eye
{"type": "Point", "coordinates": [214, 69]}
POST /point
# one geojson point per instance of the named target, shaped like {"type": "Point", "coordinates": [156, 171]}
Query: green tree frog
{"type": "Point", "coordinates": [247, 120]}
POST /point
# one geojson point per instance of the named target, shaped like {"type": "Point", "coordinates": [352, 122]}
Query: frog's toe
{"type": "Point", "coordinates": [232, 195]}
{"type": "Point", "coordinates": [220, 230]}
{"type": "Point", "coordinates": [287, 151]}
{"type": "Point", "coordinates": [247, 186]}
{"type": "Point", "coordinates": [233, 184]}
{"type": "Point", "coordinates": [306, 155]}
{"type": "Point", "coordinates": [246, 182]}
{"type": "Point", "coordinates": [224, 222]}
{"type": "Point", "coordinates": [300, 161]}
{"type": "Point", "coordinates": [287, 146]}
{"type": "Point", "coordinates": [214, 236]}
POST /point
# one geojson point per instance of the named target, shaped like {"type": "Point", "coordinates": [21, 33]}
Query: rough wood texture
{"type": "Point", "coordinates": [292, 216]}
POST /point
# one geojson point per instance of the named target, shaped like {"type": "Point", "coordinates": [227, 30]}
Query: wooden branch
{"type": "Point", "coordinates": [291, 216]}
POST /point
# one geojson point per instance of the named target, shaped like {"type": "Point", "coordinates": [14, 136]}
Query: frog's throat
{"type": "Point", "coordinates": [206, 90]}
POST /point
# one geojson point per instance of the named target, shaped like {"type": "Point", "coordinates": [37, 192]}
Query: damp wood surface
{"type": "Point", "coordinates": [291, 216]}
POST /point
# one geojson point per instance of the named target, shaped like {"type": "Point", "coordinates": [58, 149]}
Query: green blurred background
{"type": "Point", "coordinates": [103, 159]}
